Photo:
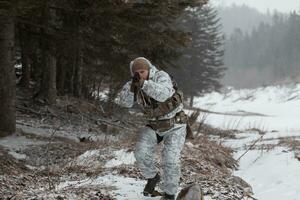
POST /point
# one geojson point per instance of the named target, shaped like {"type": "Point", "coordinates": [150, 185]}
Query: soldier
{"type": "Point", "coordinates": [161, 102]}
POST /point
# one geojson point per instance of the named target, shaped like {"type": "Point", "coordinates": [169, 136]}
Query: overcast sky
{"type": "Point", "coordinates": [263, 5]}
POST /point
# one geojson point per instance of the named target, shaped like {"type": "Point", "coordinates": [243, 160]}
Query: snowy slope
{"type": "Point", "coordinates": [280, 103]}
{"type": "Point", "coordinates": [125, 188]}
{"type": "Point", "coordinates": [269, 167]}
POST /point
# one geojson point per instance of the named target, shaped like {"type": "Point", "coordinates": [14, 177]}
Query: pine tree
{"type": "Point", "coordinates": [267, 55]}
{"type": "Point", "coordinates": [202, 62]}
{"type": "Point", "coordinates": [7, 75]}
{"type": "Point", "coordinates": [68, 47]}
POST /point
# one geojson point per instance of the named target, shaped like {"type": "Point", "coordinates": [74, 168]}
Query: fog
{"type": "Point", "coordinates": [263, 5]}
{"type": "Point", "coordinates": [261, 48]}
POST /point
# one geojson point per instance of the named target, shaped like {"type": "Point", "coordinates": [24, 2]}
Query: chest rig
{"type": "Point", "coordinates": [156, 109]}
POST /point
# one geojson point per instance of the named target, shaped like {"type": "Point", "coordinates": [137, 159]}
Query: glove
{"type": "Point", "coordinates": [137, 82]}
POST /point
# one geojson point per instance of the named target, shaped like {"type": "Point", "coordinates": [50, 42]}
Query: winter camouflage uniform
{"type": "Point", "coordinates": [159, 86]}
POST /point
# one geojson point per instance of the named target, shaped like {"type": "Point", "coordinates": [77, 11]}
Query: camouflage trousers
{"type": "Point", "coordinates": [173, 140]}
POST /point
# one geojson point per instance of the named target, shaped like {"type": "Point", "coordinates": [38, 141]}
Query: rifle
{"type": "Point", "coordinates": [135, 80]}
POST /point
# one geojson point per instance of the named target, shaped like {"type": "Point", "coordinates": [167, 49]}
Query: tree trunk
{"type": "Point", "coordinates": [26, 65]}
{"type": "Point", "coordinates": [78, 75]}
{"type": "Point", "coordinates": [192, 101]}
{"type": "Point", "coordinates": [48, 82]}
{"type": "Point", "coordinates": [61, 76]}
{"type": "Point", "coordinates": [26, 62]}
{"type": "Point", "coordinates": [72, 78]}
{"type": "Point", "coordinates": [79, 61]}
{"type": "Point", "coordinates": [7, 77]}
{"type": "Point", "coordinates": [98, 91]}
{"type": "Point", "coordinates": [51, 92]}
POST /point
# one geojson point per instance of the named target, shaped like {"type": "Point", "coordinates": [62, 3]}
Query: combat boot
{"type": "Point", "coordinates": [168, 197]}
{"type": "Point", "coordinates": [151, 183]}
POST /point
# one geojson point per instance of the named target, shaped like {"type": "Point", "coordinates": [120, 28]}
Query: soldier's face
{"type": "Point", "coordinates": [144, 74]}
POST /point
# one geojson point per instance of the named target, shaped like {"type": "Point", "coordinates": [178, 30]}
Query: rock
{"type": "Point", "coordinates": [246, 187]}
{"type": "Point", "coordinates": [298, 156]}
{"type": "Point", "coordinates": [191, 192]}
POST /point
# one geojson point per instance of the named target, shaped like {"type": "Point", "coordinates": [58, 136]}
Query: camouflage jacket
{"type": "Point", "coordinates": [159, 86]}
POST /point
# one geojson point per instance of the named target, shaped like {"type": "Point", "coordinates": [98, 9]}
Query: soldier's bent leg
{"type": "Point", "coordinates": [173, 144]}
{"type": "Point", "coordinates": [144, 152]}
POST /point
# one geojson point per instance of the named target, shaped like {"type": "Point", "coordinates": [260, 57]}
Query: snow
{"type": "Point", "coordinates": [281, 104]}
{"type": "Point", "coordinates": [101, 95]}
{"type": "Point", "coordinates": [124, 188]}
{"type": "Point", "coordinates": [89, 158]}
{"type": "Point", "coordinates": [70, 132]}
{"type": "Point", "coordinates": [16, 143]}
{"type": "Point", "coordinates": [94, 158]}
{"type": "Point", "coordinates": [17, 155]}
{"type": "Point", "coordinates": [274, 175]}
{"type": "Point", "coordinates": [272, 172]}
{"type": "Point", "coordinates": [121, 157]}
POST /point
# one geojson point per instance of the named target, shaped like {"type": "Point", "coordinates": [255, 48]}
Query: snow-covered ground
{"type": "Point", "coordinates": [272, 172]}
{"type": "Point", "coordinates": [269, 108]}
{"type": "Point", "coordinates": [271, 169]}
{"type": "Point", "coordinates": [124, 188]}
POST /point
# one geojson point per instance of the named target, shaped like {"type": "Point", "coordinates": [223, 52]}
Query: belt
{"type": "Point", "coordinates": [166, 124]}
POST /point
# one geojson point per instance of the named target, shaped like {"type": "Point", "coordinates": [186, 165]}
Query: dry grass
{"type": "Point", "coordinates": [203, 160]}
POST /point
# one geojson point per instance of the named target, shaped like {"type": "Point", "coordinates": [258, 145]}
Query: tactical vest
{"type": "Point", "coordinates": [155, 109]}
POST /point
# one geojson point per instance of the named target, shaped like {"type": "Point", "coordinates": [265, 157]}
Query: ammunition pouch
{"type": "Point", "coordinates": [167, 124]}
{"type": "Point", "coordinates": [158, 109]}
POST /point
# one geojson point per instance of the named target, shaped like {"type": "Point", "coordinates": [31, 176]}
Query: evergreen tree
{"type": "Point", "coordinates": [84, 41]}
{"type": "Point", "coordinates": [68, 47]}
{"type": "Point", "coordinates": [94, 41]}
{"type": "Point", "coordinates": [202, 62]}
{"type": "Point", "coordinates": [7, 76]}
{"type": "Point", "coordinates": [269, 54]}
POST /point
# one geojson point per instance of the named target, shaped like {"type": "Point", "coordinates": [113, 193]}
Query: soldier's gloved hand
{"type": "Point", "coordinates": [137, 82]}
